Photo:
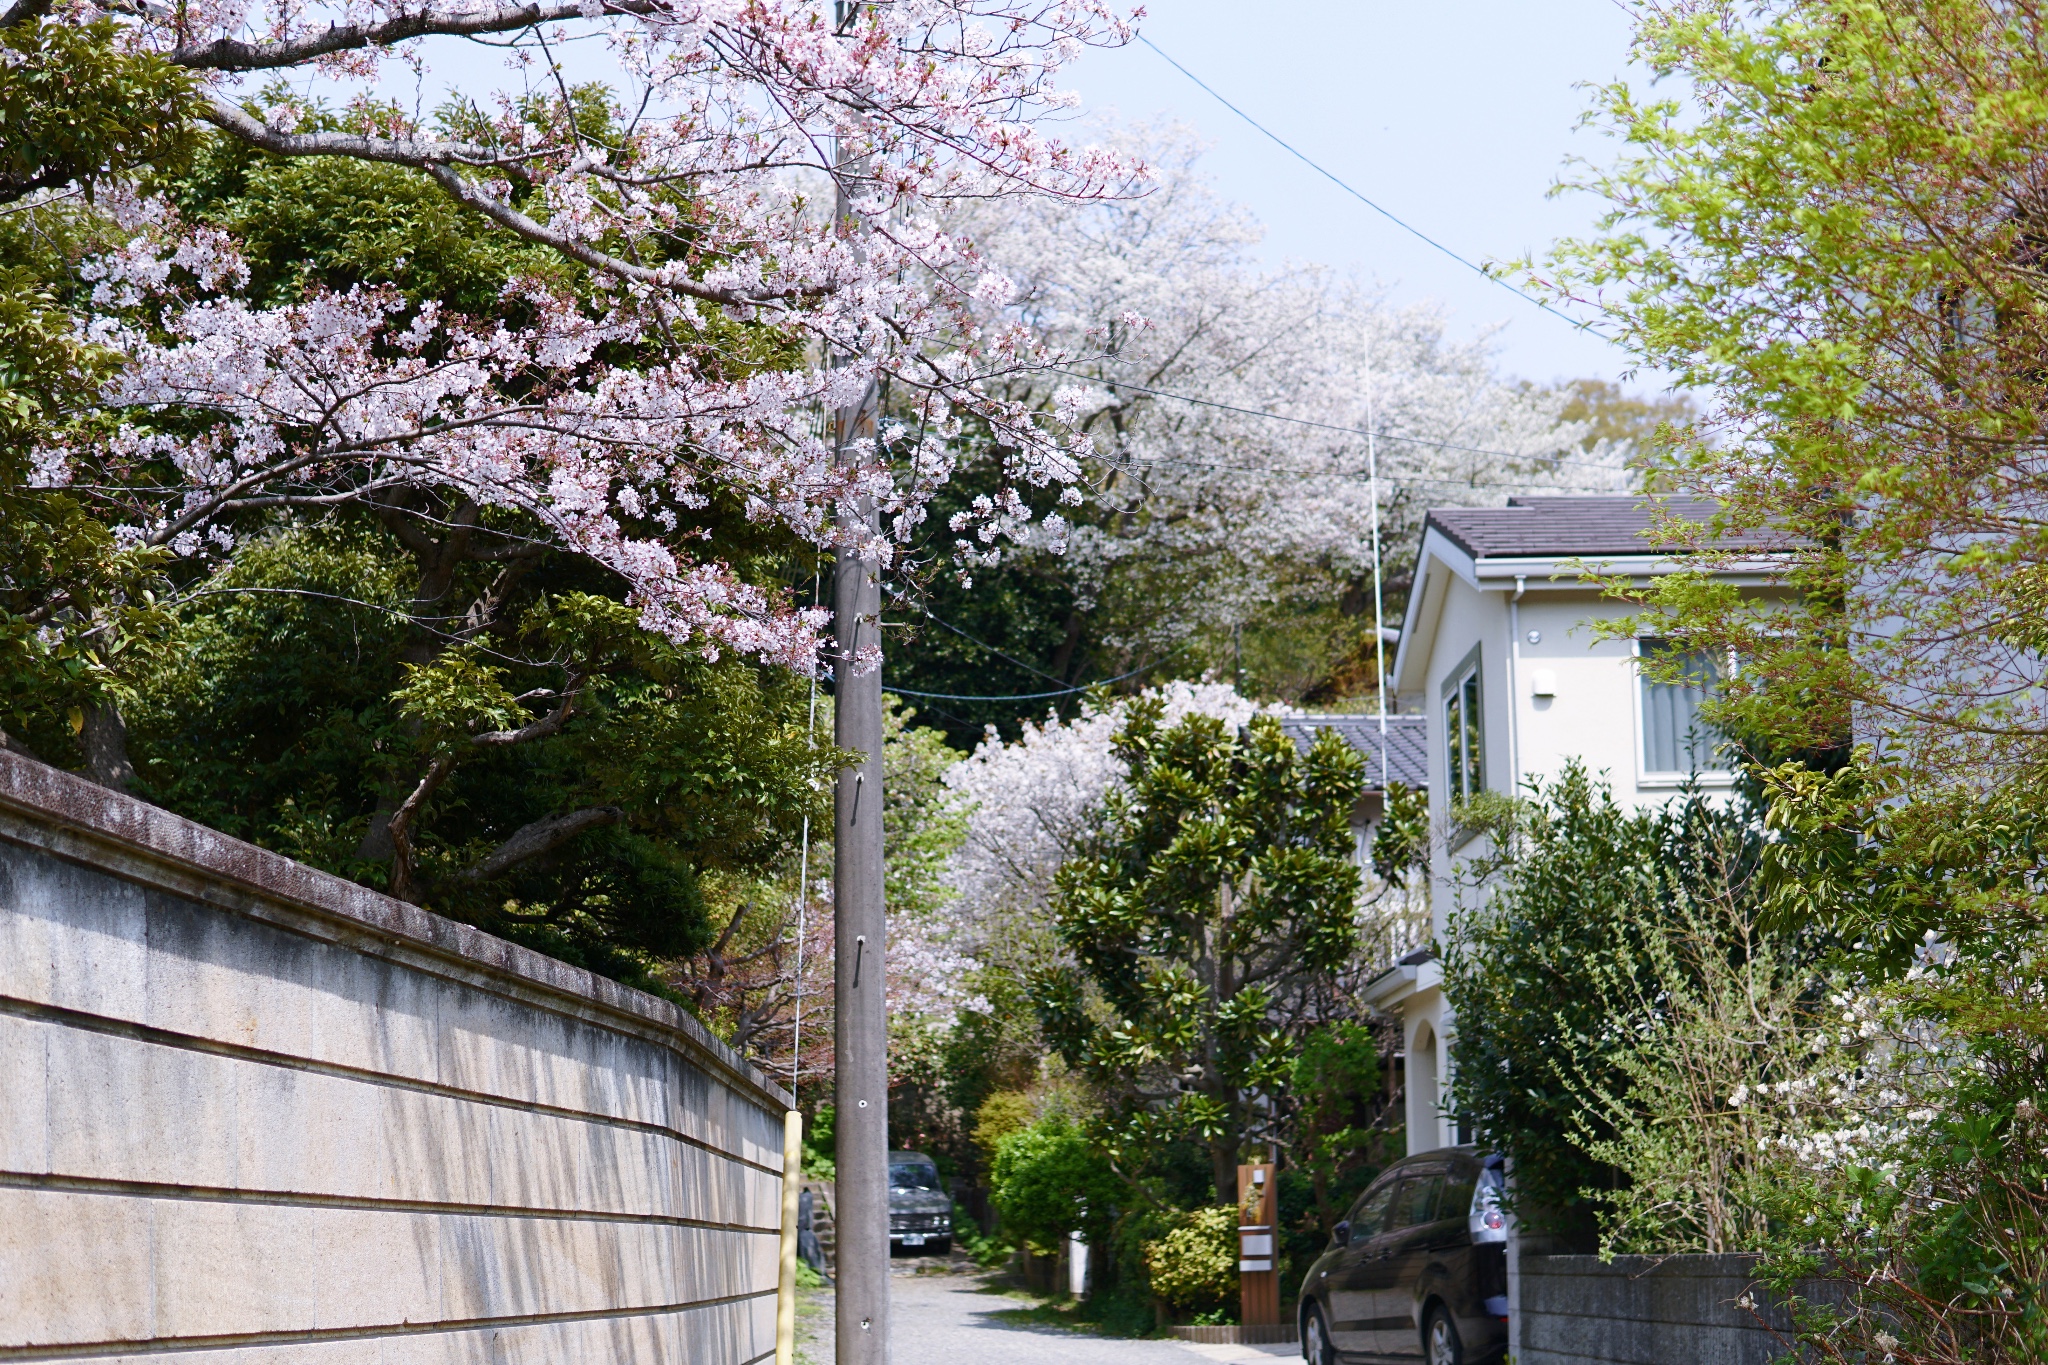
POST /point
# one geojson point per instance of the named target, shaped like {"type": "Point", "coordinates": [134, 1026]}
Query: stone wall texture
{"type": "Point", "coordinates": [1646, 1310]}
{"type": "Point", "coordinates": [250, 1108]}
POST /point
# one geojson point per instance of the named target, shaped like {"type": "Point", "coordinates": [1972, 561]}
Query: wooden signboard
{"type": "Point", "coordinates": [1258, 1235]}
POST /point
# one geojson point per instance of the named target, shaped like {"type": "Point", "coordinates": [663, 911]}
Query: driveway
{"type": "Point", "coordinates": [942, 1316]}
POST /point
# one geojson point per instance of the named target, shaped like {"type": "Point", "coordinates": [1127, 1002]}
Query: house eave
{"type": "Point", "coordinates": [1397, 984]}
{"type": "Point", "coordinates": [1568, 572]}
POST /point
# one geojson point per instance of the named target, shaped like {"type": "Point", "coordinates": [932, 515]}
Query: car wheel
{"type": "Point", "coordinates": [1315, 1339]}
{"type": "Point", "coordinates": [1440, 1344]}
{"type": "Point", "coordinates": [939, 1246]}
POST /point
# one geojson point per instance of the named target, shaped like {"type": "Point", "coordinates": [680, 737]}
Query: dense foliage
{"type": "Point", "coordinates": [1835, 228]}
{"type": "Point", "coordinates": [1207, 925]}
{"type": "Point", "coordinates": [1615, 987]}
{"type": "Point", "coordinates": [1342, 1125]}
{"type": "Point", "coordinates": [1048, 1179]}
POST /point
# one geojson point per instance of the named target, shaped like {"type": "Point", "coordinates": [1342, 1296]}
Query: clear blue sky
{"type": "Point", "coordinates": [1456, 115]}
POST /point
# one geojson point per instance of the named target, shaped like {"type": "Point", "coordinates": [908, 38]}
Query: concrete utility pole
{"type": "Point", "coordinates": [861, 1032]}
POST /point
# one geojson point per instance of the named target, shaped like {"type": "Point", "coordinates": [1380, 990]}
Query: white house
{"type": "Point", "coordinates": [1499, 655]}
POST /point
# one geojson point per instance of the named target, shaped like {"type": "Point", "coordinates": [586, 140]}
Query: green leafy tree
{"type": "Point", "coordinates": [1048, 1179]}
{"type": "Point", "coordinates": [1342, 1112]}
{"type": "Point", "coordinates": [82, 107]}
{"type": "Point", "coordinates": [1837, 231]}
{"type": "Point", "coordinates": [1206, 928]}
{"type": "Point", "coordinates": [291, 708]}
{"type": "Point", "coordinates": [1840, 239]}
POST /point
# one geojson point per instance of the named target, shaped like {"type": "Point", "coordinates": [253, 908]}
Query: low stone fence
{"type": "Point", "coordinates": [1645, 1310]}
{"type": "Point", "coordinates": [1256, 1334]}
{"type": "Point", "coordinates": [253, 1109]}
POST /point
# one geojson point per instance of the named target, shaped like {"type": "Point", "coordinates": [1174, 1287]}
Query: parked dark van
{"type": "Point", "coordinates": [920, 1210]}
{"type": "Point", "coordinates": [1417, 1269]}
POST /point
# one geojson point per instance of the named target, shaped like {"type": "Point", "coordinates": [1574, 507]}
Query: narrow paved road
{"type": "Point", "coordinates": [953, 1319]}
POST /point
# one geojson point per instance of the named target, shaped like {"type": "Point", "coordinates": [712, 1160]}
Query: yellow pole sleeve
{"type": "Point", "coordinates": [785, 1285]}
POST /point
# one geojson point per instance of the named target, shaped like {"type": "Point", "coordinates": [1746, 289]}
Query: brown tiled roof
{"type": "Point", "coordinates": [1576, 526]}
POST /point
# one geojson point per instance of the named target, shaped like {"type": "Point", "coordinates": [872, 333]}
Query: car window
{"type": "Point", "coordinates": [1416, 1203]}
{"type": "Point", "coordinates": [913, 1177]}
{"type": "Point", "coordinates": [1370, 1212]}
{"type": "Point", "coordinates": [1456, 1200]}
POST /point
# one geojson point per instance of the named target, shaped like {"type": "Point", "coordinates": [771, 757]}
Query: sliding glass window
{"type": "Point", "coordinates": [1677, 740]}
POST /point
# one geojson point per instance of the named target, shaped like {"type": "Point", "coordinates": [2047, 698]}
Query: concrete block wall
{"type": "Point", "coordinates": [251, 1108]}
{"type": "Point", "coordinates": [1645, 1310]}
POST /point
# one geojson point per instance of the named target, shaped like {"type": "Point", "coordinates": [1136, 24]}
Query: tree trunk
{"type": "Point", "coordinates": [1223, 1163]}
{"type": "Point", "coordinates": [1223, 1152]}
{"type": "Point", "coordinates": [106, 747]}
{"type": "Point", "coordinates": [1063, 657]}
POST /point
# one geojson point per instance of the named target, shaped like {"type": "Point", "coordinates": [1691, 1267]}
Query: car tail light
{"type": "Point", "coordinates": [1488, 1220]}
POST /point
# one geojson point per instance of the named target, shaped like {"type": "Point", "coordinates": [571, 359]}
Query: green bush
{"type": "Point", "coordinates": [1533, 967]}
{"type": "Point", "coordinates": [820, 1144]}
{"type": "Point", "coordinates": [1194, 1267]}
{"type": "Point", "coordinates": [1048, 1180]}
{"type": "Point", "coordinates": [1631, 1034]}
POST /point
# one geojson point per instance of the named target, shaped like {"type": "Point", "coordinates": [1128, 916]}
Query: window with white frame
{"type": "Point", "coordinates": [1677, 740]}
{"type": "Point", "coordinates": [1464, 748]}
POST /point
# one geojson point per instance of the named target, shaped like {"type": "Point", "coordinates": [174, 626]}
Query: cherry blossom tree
{"type": "Point", "coordinates": [769, 174]}
{"type": "Point", "coordinates": [1032, 803]}
{"type": "Point", "coordinates": [1212, 510]}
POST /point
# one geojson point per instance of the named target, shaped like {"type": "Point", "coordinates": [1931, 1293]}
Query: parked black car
{"type": "Point", "coordinates": [1417, 1269]}
{"type": "Point", "coordinates": [920, 1210]}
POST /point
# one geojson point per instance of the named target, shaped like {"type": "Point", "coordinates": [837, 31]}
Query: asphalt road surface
{"type": "Point", "coordinates": [944, 1317]}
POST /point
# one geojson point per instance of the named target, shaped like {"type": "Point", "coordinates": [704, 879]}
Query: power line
{"type": "Point", "coordinates": [937, 620]}
{"type": "Point", "coordinates": [1391, 217]}
{"type": "Point", "coordinates": [1305, 422]}
{"type": "Point", "coordinates": [1038, 696]}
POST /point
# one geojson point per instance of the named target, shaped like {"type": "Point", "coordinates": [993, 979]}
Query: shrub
{"type": "Point", "coordinates": [1194, 1267]}
{"type": "Point", "coordinates": [1629, 1032]}
{"type": "Point", "coordinates": [1001, 1114]}
{"type": "Point", "coordinates": [1048, 1180]}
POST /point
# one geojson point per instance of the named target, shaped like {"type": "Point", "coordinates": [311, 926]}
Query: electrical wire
{"type": "Point", "coordinates": [1036, 696]}
{"type": "Point", "coordinates": [1417, 481]}
{"type": "Point", "coordinates": [1387, 214]}
{"type": "Point", "coordinates": [803, 887]}
{"type": "Point", "coordinates": [937, 620]}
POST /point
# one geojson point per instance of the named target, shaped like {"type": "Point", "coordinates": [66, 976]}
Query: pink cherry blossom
{"type": "Point", "coordinates": [797, 166]}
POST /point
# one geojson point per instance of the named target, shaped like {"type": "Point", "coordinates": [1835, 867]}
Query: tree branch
{"type": "Point", "coordinates": [402, 819]}
{"type": "Point", "coordinates": [541, 836]}
{"type": "Point", "coordinates": [437, 160]}
{"type": "Point", "coordinates": [549, 724]}
{"type": "Point", "coordinates": [228, 54]}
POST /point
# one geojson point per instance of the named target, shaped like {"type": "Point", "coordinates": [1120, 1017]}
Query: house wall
{"type": "Point", "coordinates": [1593, 717]}
{"type": "Point", "coordinates": [249, 1108]}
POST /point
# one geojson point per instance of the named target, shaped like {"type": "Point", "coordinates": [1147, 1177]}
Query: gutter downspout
{"type": "Point", "coordinates": [1513, 1250]}
{"type": "Point", "coordinates": [1514, 684]}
